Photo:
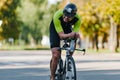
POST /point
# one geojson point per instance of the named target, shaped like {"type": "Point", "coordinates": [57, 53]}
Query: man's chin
{"type": "Point", "coordinates": [65, 20]}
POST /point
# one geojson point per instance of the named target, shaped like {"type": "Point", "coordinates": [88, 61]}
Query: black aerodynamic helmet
{"type": "Point", "coordinates": [70, 10]}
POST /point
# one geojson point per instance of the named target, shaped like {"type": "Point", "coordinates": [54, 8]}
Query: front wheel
{"type": "Point", "coordinates": [70, 69]}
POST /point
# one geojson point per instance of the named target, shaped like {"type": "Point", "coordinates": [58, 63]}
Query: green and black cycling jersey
{"type": "Point", "coordinates": [58, 25]}
{"type": "Point", "coordinates": [57, 21]}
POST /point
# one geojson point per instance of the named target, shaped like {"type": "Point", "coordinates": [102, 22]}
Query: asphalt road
{"type": "Point", "coordinates": [34, 65]}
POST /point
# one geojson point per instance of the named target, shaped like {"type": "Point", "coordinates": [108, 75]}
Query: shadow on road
{"type": "Point", "coordinates": [43, 74]}
{"type": "Point", "coordinates": [24, 74]}
{"type": "Point", "coordinates": [99, 75]}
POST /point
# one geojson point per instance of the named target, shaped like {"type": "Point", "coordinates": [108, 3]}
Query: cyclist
{"type": "Point", "coordinates": [65, 24]}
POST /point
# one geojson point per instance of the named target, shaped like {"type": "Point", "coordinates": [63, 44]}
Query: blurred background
{"type": "Point", "coordinates": [24, 24]}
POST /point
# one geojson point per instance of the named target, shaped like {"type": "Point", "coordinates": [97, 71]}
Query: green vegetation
{"type": "Point", "coordinates": [8, 15]}
{"type": "Point", "coordinates": [26, 21]}
{"type": "Point", "coordinates": [24, 47]}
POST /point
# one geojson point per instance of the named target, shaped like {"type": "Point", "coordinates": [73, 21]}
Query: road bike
{"type": "Point", "coordinates": [66, 70]}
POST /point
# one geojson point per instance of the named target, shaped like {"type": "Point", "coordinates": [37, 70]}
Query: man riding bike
{"type": "Point", "coordinates": [65, 24]}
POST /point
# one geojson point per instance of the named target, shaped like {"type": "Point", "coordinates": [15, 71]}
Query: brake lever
{"type": "Point", "coordinates": [84, 51]}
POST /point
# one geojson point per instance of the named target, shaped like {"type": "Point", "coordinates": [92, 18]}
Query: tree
{"type": "Point", "coordinates": [31, 14]}
{"type": "Point", "coordinates": [106, 13]}
{"type": "Point", "coordinates": [10, 26]}
{"type": "Point", "coordinates": [111, 10]}
{"type": "Point", "coordinates": [35, 16]}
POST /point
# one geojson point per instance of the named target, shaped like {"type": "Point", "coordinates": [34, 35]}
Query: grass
{"type": "Point", "coordinates": [39, 47]}
{"type": "Point", "coordinates": [27, 47]}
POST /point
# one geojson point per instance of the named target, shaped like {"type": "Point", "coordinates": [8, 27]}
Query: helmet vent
{"type": "Point", "coordinates": [69, 10]}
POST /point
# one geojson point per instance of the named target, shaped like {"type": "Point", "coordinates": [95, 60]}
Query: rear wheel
{"type": "Point", "coordinates": [70, 70]}
{"type": "Point", "coordinates": [59, 70]}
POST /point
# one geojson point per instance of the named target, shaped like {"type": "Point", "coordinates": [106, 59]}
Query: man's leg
{"type": "Point", "coordinates": [53, 64]}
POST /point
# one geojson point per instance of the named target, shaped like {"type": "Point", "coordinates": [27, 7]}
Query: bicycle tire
{"type": "Point", "coordinates": [70, 69]}
{"type": "Point", "coordinates": [59, 70]}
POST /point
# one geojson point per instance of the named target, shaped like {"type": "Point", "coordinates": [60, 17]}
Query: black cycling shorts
{"type": "Point", "coordinates": [54, 37]}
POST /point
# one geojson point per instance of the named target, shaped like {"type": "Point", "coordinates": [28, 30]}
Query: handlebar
{"type": "Point", "coordinates": [71, 46]}
{"type": "Point", "coordinates": [81, 50]}
{"type": "Point", "coordinates": [68, 48]}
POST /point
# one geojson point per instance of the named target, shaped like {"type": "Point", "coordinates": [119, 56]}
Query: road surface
{"type": "Point", "coordinates": [34, 65]}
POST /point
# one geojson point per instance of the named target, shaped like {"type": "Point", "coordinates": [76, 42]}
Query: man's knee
{"type": "Point", "coordinates": [55, 53]}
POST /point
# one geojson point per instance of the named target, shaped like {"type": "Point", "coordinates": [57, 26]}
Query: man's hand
{"type": "Point", "coordinates": [69, 35]}
{"type": "Point", "coordinates": [74, 35]}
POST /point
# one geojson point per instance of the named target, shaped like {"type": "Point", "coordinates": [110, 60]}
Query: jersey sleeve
{"type": "Point", "coordinates": [57, 22]}
{"type": "Point", "coordinates": [77, 24]}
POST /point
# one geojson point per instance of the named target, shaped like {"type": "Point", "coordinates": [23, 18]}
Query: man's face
{"type": "Point", "coordinates": [67, 19]}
